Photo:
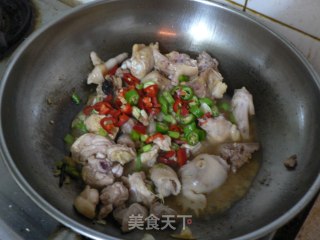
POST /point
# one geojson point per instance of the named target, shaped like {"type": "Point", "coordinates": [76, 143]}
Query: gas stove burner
{"type": "Point", "coordinates": [16, 21]}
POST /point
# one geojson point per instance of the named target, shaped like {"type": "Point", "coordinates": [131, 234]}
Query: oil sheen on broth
{"type": "Point", "coordinates": [235, 187]}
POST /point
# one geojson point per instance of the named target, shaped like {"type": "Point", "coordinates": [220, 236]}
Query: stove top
{"type": "Point", "coordinates": [16, 21]}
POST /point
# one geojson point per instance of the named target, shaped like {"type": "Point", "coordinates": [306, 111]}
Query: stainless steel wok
{"type": "Point", "coordinates": [35, 93]}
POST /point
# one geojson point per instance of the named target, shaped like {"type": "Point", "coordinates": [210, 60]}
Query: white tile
{"type": "Point", "coordinates": [309, 47]}
{"type": "Point", "coordinates": [301, 14]}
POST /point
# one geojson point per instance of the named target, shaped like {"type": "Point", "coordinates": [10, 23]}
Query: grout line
{"type": "Point", "coordinates": [245, 5]}
{"type": "Point", "coordinates": [281, 23]}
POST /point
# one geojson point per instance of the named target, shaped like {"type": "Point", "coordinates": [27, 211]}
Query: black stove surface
{"type": "Point", "coordinates": [16, 21]}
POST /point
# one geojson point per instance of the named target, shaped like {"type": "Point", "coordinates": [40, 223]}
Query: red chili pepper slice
{"type": "Point", "coordinates": [155, 102]}
{"type": "Point", "coordinates": [147, 102]}
{"type": "Point", "coordinates": [123, 118]}
{"type": "Point", "coordinates": [177, 105]}
{"type": "Point", "coordinates": [108, 98]}
{"type": "Point", "coordinates": [168, 162]}
{"type": "Point", "coordinates": [102, 107]}
{"type": "Point", "coordinates": [130, 79]}
{"type": "Point", "coordinates": [115, 113]}
{"type": "Point", "coordinates": [153, 137]}
{"type": "Point", "coordinates": [181, 156]}
{"type": "Point", "coordinates": [175, 128]}
{"type": "Point", "coordinates": [152, 90]}
{"type": "Point", "coordinates": [127, 109]}
{"type": "Point", "coordinates": [108, 123]}
{"type": "Point", "coordinates": [87, 110]}
{"type": "Point", "coordinates": [184, 110]}
{"type": "Point", "coordinates": [169, 154]}
{"type": "Point", "coordinates": [153, 111]}
{"type": "Point", "coordinates": [140, 128]}
{"type": "Point", "coordinates": [113, 70]}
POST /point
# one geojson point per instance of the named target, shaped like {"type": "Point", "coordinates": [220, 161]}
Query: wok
{"type": "Point", "coordinates": [36, 110]}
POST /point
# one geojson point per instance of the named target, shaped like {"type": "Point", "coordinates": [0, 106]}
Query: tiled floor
{"type": "Point", "coordinates": [296, 20]}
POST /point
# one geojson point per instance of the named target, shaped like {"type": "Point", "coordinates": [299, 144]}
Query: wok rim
{"type": "Point", "coordinates": [94, 234]}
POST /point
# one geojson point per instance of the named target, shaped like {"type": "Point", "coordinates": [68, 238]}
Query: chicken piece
{"type": "Point", "coordinates": [237, 154]}
{"type": "Point", "coordinates": [149, 158]}
{"type": "Point", "coordinates": [165, 179]}
{"type": "Point", "coordinates": [158, 209]}
{"type": "Point", "coordinates": [154, 76]}
{"type": "Point", "coordinates": [209, 84]}
{"type": "Point", "coordinates": [142, 60]}
{"type": "Point", "coordinates": [117, 170]}
{"type": "Point", "coordinates": [200, 176]}
{"type": "Point", "coordinates": [87, 201]}
{"type": "Point", "coordinates": [163, 143]}
{"type": "Point", "coordinates": [99, 72]}
{"type": "Point", "coordinates": [104, 211]}
{"type": "Point", "coordinates": [205, 61]}
{"type": "Point", "coordinates": [92, 123]}
{"type": "Point", "coordinates": [242, 108]}
{"type": "Point", "coordinates": [97, 173]}
{"type": "Point", "coordinates": [128, 126]}
{"type": "Point", "coordinates": [115, 194]}
{"type": "Point", "coordinates": [89, 145]}
{"type": "Point", "coordinates": [120, 153]}
{"type": "Point", "coordinates": [219, 130]}
{"type": "Point", "coordinates": [173, 66]}
{"type": "Point", "coordinates": [122, 214]}
{"type": "Point", "coordinates": [139, 192]}
{"type": "Point", "coordinates": [125, 139]}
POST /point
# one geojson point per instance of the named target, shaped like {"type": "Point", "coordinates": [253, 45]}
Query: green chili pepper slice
{"type": "Point", "coordinates": [201, 133]}
{"type": "Point", "coordinates": [187, 93]}
{"type": "Point", "coordinates": [207, 101]}
{"type": "Point", "coordinates": [138, 164]}
{"type": "Point", "coordinates": [146, 148]}
{"type": "Point", "coordinates": [162, 127]}
{"type": "Point", "coordinates": [132, 97]}
{"type": "Point", "coordinates": [189, 128]}
{"type": "Point", "coordinates": [69, 139]}
{"type": "Point", "coordinates": [173, 134]}
{"type": "Point", "coordinates": [168, 97]}
{"type": "Point", "coordinates": [164, 104]}
{"type": "Point", "coordinates": [193, 138]}
{"type": "Point", "coordinates": [187, 119]}
{"type": "Point", "coordinates": [197, 111]}
{"type": "Point", "coordinates": [143, 137]}
{"type": "Point", "coordinates": [169, 119]}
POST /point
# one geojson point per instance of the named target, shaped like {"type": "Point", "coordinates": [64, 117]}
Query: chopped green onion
{"type": "Point", "coordinates": [138, 164]}
{"type": "Point", "coordinates": [69, 139]}
{"type": "Point", "coordinates": [75, 98]}
{"type": "Point", "coordinates": [195, 110]}
{"type": "Point", "coordinates": [162, 127]}
{"type": "Point", "coordinates": [187, 119]}
{"type": "Point", "coordinates": [224, 106]}
{"type": "Point", "coordinates": [102, 132]}
{"type": "Point", "coordinates": [164, 104]}
{"type": "Point", "coordinates": [81, 126]}
{"type": "Point", "coordinates": [135, 136]}
{"type": "Point", "coordinates": [143, 137]}
{"type": "Point", "coordinates": [173, 134]}
{"type": "Point", "coordinates": [139, 86]}
{"type": "Point", "coordinates": [168, 97]}
{"type": "Point", "coordinates": [215, 111]}
{"type": "Point", "coordinates": [146, 148]}
{"type": "Point", "coordinates": [207, 101]}
{"type": "Point", "coordinates": [169, 119]}
{"type": "Point", "coordinates": [189, 128]}
{"type": "Point", "coordinates": [148, 84]}
{"type": "Point", "coordinates": [193, 138]}
{"type": "Point", "coordinates": [187, 93]}
{"type": "Point", "coordinates": [132, 97]}
{"type": "Point", "coordinates": [183, 78]}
